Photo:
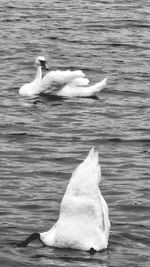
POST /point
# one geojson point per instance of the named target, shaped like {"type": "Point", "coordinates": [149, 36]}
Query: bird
{"type": "Point", "coordinates": [83, 222]}
{"type": "Point", "coordinates": [65, 83]}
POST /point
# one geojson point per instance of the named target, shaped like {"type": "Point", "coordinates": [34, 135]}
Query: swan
{"type": "Point", "coordinates": [62, 83]}
{"type": "Point", "coordinates": [83, 222]}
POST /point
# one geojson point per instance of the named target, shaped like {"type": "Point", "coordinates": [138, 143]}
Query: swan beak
{"type": "Point", "coordinates": [46, 67]}
{"type": "Point", "coordinates": [43, 65]}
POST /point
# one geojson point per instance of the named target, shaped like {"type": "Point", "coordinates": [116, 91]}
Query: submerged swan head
{"type": "Point", "coordinates": [41, 61]}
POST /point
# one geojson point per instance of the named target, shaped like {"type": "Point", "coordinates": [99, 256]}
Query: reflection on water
{"type": "Point", "coordinates": [42, 140]}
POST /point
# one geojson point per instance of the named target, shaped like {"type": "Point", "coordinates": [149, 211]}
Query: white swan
{"type": "Point", "coordinates": [83, 221]}
{"type": "Point", "coordinates": [62, 83]}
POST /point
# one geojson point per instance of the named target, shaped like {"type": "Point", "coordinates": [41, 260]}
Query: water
{"type": "Point", "coordinates": [42, 141]}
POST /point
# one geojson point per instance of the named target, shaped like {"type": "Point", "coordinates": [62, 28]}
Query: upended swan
{"type": "Point", "coordinates": [62, 83]}
{"type": "Point", "coordinates": [83, 221]}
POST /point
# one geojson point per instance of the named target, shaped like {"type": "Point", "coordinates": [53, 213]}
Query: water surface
{"type": "Point", "coordinates": [43, 141]}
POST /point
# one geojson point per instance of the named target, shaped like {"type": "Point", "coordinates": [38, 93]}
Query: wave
{"type": "Point", "coordinates": [120, 140]}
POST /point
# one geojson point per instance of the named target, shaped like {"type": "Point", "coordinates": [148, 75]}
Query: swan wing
{"type": "Point", "coordinates": [56, 80]}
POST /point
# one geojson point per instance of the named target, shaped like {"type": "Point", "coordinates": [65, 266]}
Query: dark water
{"type": "Point", "coordinates": [42, 142]}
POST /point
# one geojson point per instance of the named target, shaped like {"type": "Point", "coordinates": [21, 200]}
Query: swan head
{"type": "Point", "coordinates": [41, 61]}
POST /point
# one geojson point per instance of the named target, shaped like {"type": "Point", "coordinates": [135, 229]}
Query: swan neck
{"type": "Point", "coordinates": [38, 73]}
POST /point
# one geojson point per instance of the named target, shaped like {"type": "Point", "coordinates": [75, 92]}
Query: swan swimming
{"type": "Point", "coordinates": [83, 221]}
{"type": "Point", "coordinates": [62, 83]}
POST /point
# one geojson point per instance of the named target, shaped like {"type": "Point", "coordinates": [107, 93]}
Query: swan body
{"type": "Point", "coordinates": [83, 222]}
{"type": "Point", "coordinates": [62, 83]}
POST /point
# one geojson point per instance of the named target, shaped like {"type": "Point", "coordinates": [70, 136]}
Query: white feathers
{"type": "Point", "coordinates": [72, 90]}
{"type": "Point", "coordinates": [62, 77]}
{"type": "Point", "coordinates": [63, 83]}
{"type": "Point", "coordinates": [54, 81]}
{"type": "Point", "coordinates": [83, 221]}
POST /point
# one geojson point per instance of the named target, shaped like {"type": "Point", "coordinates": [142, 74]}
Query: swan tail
{"type": "Point", "coordinates": [88, 173]}
{"type": "Point", "coordinates": [93, 160]}
{"type": "Point", "coordinates": [98, 86]}
{"type": "Point", "coordinates": [78, 87]}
